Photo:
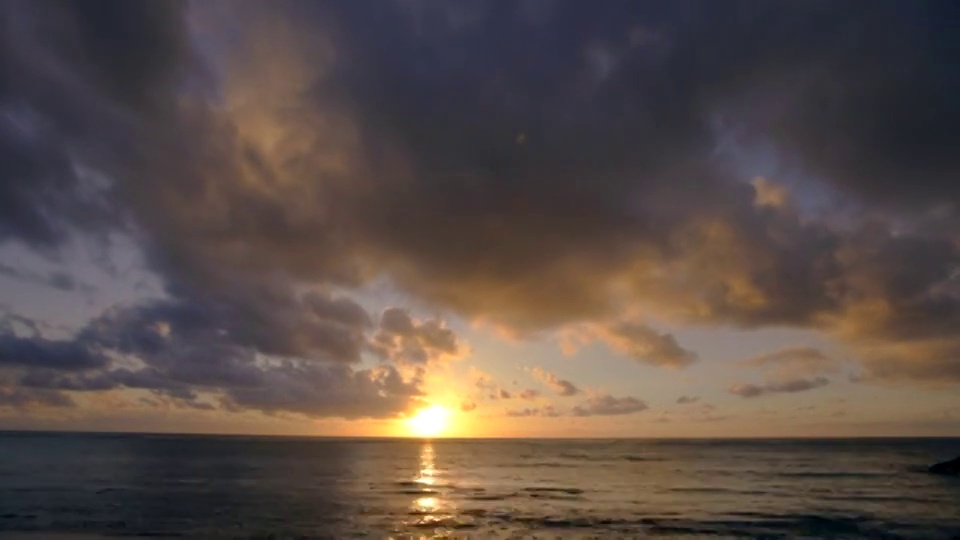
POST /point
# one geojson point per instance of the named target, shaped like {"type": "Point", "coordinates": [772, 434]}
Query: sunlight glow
{"type": "Point", "coordinates": [429, 422]}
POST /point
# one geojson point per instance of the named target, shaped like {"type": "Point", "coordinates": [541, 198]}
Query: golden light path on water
{"type": "Point", "coordinates": [430, 508]}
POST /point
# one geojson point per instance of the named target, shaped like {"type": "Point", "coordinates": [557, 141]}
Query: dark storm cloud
{"type": "Point", "coordinates": [185, 350]}
{"type": "Point", "coordinates": [530, 165]}
{"type": "Point", "coordinates": [329, 391]}
{"type": "Point", "coordinates": [36, 351]}
{"type": "Point", "coordinates": [626, 146]}
{"type": "Point", "coordinates": [73, 78]}
{"type": "Point", "coordinates": [878, 119]}
{"type": "Point", "coordinates": [55, 280]}
{"type": "Point", "coordinates": [24, 398]}
{"type": "Point", "coordinates": [318, 326]}
{"type": "Point", "coordinates": [614, 106]}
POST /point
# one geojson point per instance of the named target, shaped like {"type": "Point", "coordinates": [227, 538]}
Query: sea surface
{"type": "Point", "coordinates": [58, 485]}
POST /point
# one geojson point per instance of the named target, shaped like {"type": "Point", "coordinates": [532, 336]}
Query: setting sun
{"type": "Point", "coordinates": [429, 422]}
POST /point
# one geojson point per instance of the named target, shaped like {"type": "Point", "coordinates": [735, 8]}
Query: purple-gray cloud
{"type": "Point", "coordinates": [546, 411]}
{"type": "Point", "coordinates": [794, 361]}
{"type": "Point", "coordinates": [607, 405]}
{"type": "Point", "coordinates": [186, 351]}
{"type": "Point", "coordinates": [55, 280]}
{"type": "Point", "coordinates": [562, 387]}
{"type": "Point", "coordinates": [645, 344]}
{"type": "Point", "coordinates": [529, 393]}
{"type": "Point", "coordinates": [403, 340]}
{"type": "Point", "coordinates": [777, 387]}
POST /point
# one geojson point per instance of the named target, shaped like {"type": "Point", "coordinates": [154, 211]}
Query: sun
{"type": "Point", "coordinates": [429, 422]}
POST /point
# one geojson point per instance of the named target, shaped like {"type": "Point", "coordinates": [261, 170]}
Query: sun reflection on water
{"type": "Point", "coordinates": [428, 472]}
{"type": "Point", "coordinates": [426, 505]}
{"type": "Point", "coordinates": [430, 508]}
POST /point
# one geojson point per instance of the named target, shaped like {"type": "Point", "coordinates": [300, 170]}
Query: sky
{"type": "Point", "coordinates": [540, 218]}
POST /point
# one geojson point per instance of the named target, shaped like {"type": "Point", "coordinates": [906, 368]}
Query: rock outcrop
{"type": "Point", "coordinates": [951, 467]}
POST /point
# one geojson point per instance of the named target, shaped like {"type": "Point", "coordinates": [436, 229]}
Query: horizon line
{"type": "Point", "coordinates": [4, 431]}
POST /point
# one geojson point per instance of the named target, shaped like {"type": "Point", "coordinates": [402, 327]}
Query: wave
{"type": "Point", "coordinates": [816, 474]}
{"type": "Point", "coordinates": [702, 490]}
{"type": "Point", "coordinates": [546, 465]}
{"type": "Point", "coordinates": [407, 483]}
{"type": "Point", "coordinates": [431, 522]}
{"type": "Point", "coordinates": [569, 491]}
{"type": "Point", "coordinates": [491, 497]}
{"type": "Point", "coordinates": [575, 456]}
{"type": "Point", "coordinates": [416, 492]}
{"type": "Point", "coordinates": [718, 490]}
{"type": "Point", "coordinates": [642, 458]}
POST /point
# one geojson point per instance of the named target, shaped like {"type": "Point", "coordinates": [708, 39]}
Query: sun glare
{"type": "Point", "coordinates": [429, 422]}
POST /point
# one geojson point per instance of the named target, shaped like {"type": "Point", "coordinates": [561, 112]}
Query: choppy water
{"type": "Point", "coordinates": [232, 487]}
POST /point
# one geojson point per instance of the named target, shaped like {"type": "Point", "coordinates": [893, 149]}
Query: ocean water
{"type": "Point", "coordinates": [53, 485]}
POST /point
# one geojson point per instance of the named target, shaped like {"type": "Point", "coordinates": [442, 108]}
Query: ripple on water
{"type": "Point", "coordinates": [567, 490]}
{"type": "Point", "coordinates": [642, 458]}
{"type": "Point", "coordinates": [831, 475]}
{"type": "Point", "coordinates": [553, 493]}
{"type": "Point", "coordinates": [491, 496]}
{"type": "Point", "coordinates": [443, 522]}
{"type": "Point", "coordinates": [416, 492]}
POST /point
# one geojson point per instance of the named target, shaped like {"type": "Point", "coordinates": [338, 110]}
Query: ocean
{"type": "Point", "coordinates": [55, 485]}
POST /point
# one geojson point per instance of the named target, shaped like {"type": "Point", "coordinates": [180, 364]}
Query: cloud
{"type": "Point", "coordinates": [747, 390]}
{"type": "Point", "coordinates": [546, 411]}
{"type": "Point", "coordinates": [600, 404]}
{"type": "Point", "coordinates": [60, 90]}
{"type": "Point", "coordinates": [785, 386]}
{"type": "Point", "coordinates": [793, 361]}
{"type": "Point", "coordinates": [481, 380]}
{"type": "Point", "coordinates": [183, 349]}
{"type": "Point", "coordinates": [467, 405]}
{"type": "Point", "coordinates": [636, 340]}
{"type": "Point", "coordinates": [607, 405]}
{"type": "Point", "coordinates": [529, 393]}
{"type": "Point", "coordinates": [488, 387]}
{"type": "Point", "coordinates": [26, 398]}
{"type": "Point", "coordinates": [403, 340]}
{"type": "Point", "coordinates": [700, 412]}
{"type": "Point", "coordinates": [788, 370]}
{"type": "Point", "coordinates": [288, 151]}
{"type": "Point", "coordinates": [55, 280]}
{"type": "Point", "coordinates": [330, 391]}
{"type": "Point", "coordinates": [647, 345]}
{"type": "Point", "coordinates": [39, 352]}
{"type": "Point", "coordinates": [686, 400]}
{"type": "Point", "coordinates": [561, 387]}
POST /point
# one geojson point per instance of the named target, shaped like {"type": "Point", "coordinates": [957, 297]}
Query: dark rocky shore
{"type": "Point", "coordinates": [951, 467]}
